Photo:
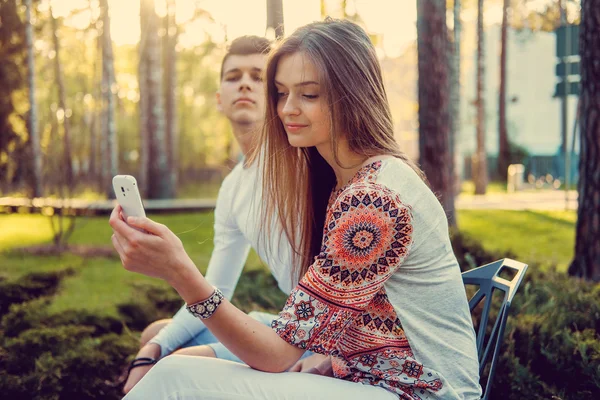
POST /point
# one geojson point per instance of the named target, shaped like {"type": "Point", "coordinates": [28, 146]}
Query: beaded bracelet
{"type": "Point", "coordinates": [206, 308]}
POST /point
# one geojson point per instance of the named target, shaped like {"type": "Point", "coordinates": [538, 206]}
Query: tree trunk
{"type": "Point", "coordinates": [503, 144]}
{"type": "Point", "coordinates": [159, 182]}
{"type": "Point", "coordinates": [455, 117]}
{"type": "Point", "coordinates": [434, 93]}
{"type": "Point", "coordinates": [275, 17]}
{"type": "Point", "coordinates": [171, 91]}
{"type": "Point", "coordinates": [62, 104]}
{"type": "Point", "coordinates": [479, 167]}
{"type": "Point", "coordinates": [143, 103]}
{"type": "Point", "coordinates": [32, 120]}
{"type": "Point", "coordinates": [94, 173]}
{"type": "Point", "coordinates": [586, 263]}
{"type": "Point", "coordinates": [109, 132]}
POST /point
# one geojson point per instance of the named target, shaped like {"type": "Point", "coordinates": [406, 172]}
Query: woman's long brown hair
{"type": "Point", "coordinates": [297, 182]}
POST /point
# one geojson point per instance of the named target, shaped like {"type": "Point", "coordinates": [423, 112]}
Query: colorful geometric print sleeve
{"type": "Point", "coordinates": [367, 236]}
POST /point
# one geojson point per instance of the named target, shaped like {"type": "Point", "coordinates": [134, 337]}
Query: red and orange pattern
{"type": "Point", "coordinates": [340, 306]}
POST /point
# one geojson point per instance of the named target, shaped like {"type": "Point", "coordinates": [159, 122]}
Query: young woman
{"type": "Point", "coordinates": [380, 294]}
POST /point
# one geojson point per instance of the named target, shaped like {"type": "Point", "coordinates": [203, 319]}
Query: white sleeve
{"type": "Point", "coordinates": [226, 263]}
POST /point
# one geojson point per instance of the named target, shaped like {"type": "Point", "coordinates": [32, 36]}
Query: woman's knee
{"type": "Point", "coordinates": [152, 330]}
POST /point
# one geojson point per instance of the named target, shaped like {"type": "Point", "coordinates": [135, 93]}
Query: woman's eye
{"type": "Point", "coordinates": [281, 94]}
{"type": "Point", "coordinates": [311, 96]}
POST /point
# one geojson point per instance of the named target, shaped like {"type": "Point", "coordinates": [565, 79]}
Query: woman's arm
{"type": "Point", "coordinates": [224, 269]}
{"type": "Point", "coordinates": [160, 254]}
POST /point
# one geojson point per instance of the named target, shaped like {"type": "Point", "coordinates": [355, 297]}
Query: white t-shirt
{"type": "Point", "coordinates": [237, 229]}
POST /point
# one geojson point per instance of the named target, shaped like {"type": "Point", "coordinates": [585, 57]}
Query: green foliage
{"type": "Point", "coordinates": [552, 341]}
{"type": "Point", "coordinates": [162, 302]}
{"type": "Point", "coordinates": [257, 290]}
{"type": "Point", "coordinates": [57, 356]}
{"type": "Point", "coordinates": [69, 365]}
{"type": "Point", "coordinates": [30, 287]}
{"type": "Point", "coordinates": [518, 154]}
{"type": "Point", "coordinates": [551, 346]}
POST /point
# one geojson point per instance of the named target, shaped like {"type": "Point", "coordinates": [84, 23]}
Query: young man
{"type": "Point", "coordinates": [241, 99]}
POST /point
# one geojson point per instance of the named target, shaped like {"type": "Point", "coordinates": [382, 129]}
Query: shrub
{"type": "Point", "coordinates": [85, 368]}
{"type": "Point", "coordinates": [471, 254]}
{"type": "Point", "coordinates": [551, 347]}
{"type": "Point", "coordinates": [30, 287]}
{"type": "Point", "coordinates": [554, 332]}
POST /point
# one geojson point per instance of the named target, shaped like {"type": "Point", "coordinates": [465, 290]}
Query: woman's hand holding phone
{"type": "Point", "coordinates": [158, 253]}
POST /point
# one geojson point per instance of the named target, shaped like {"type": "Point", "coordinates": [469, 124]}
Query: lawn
{"type": "Point", "coordinates": [100, 284]}
{"type": "Point", "coordinates": [538, 238]}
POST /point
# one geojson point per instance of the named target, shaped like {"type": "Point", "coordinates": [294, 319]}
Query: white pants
{"type": "Point", "coordinates": [190, 378]}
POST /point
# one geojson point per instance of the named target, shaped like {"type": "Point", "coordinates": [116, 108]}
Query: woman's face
{"type": "Point", "coordinates": [301, 105]}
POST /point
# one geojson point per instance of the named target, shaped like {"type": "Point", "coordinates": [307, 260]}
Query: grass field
{"type": "Point", "coordinates": [100, 284]}
{"type": "Point", "coordinates": [538, 238]}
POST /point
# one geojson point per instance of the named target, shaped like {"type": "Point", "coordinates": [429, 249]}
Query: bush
{"type": "Point", "coordinates": [30, 287]}
{"type": "Point", "coordinates": [551, 347]}
{"type": "Point", "coordinates": [553, 332]}
{"type": "Point", "coordinates": [73, 367]}
{"type": "Point", "coordinates": [470, 254]}
{"type": "Point", "coordinates": [155, 302]}
{"type": "Point", "coordinates": [75, 354]}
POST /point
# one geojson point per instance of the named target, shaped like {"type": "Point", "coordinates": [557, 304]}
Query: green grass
{"type": "Point", "coordinates": [100, 284]}
{"type": "Point", "coordinates": [22, 230]}
{"type": "Point", "coordinates": [538, 238]}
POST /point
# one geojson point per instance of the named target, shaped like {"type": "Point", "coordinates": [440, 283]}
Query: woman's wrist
{"type": "Point", "coordinates": [190, 284]}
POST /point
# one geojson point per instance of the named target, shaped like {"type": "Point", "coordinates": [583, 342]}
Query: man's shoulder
{"type": "Point", "coordinates": [234, 174]}
{"type": "Point", "coordinates": [240, 178]}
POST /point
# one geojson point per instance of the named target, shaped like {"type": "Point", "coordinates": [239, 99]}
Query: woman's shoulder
{"type": "Point", "coordinates": [370, 195]}
{"type": "Point", "coordinates": [387, 177]}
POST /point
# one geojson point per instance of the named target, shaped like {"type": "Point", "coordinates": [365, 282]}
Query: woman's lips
{"type": "Point", "coordinates": [295, 127]}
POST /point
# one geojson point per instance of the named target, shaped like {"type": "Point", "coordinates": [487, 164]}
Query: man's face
{"type": "Point", "coordinates": [241, 96]}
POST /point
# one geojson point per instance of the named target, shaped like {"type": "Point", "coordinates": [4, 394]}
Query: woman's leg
{"type": "Point", "coordinates": [190, 378]}
{"type": "Point", "coordinates": [152, 330]}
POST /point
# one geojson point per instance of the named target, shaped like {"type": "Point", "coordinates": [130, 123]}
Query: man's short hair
{"type": "Point", "coordinates": [246, 45]}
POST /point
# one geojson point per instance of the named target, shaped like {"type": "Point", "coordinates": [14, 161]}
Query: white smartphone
{"type": "Point", "coordinates": [128, 196]}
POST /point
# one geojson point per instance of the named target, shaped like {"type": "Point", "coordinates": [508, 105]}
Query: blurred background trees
{"type": "Point", "coordinates": [91, 90]}
{"type": "Point", "coordinates": [71, 101]}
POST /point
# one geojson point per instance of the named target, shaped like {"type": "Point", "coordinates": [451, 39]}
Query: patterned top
{"type": "Point", "coordinates": [341, 305]}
